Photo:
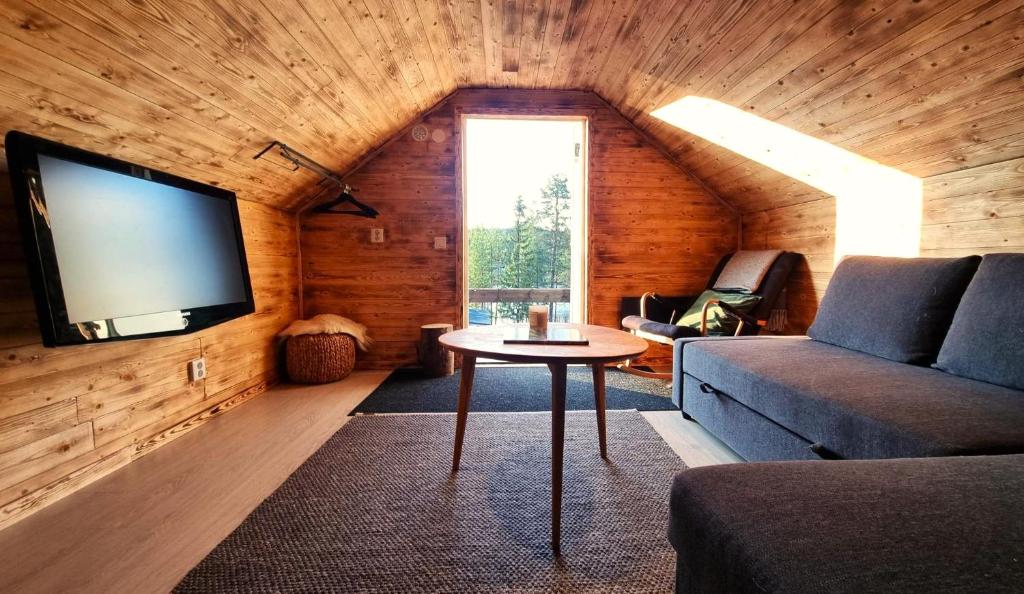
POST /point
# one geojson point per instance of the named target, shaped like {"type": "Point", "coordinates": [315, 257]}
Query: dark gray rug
{"type": "Point", "coordinates": [377, 510]}
{"type": "Point", "coordinates": [506, 388]}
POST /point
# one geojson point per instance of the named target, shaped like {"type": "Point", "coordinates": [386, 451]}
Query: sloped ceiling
{"type": "Point", "coordinates": [198, 87]}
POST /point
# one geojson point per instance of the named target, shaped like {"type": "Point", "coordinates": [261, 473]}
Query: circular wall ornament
{"type": "Point", "coordinates": [419, 132]}
{"type": "Point", "coordinates": [438, 135]}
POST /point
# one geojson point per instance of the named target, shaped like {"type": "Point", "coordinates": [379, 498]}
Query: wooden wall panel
{"type": "Point", "coordinates": [975, 210]}
{"type": "Point", "coordinates": [197, 88]}
{"type": "Point", "coordinates": [72, 414]}
{"type": "Point", "coordinates": [651, 226]}
{"type": "Point", "coordinates": [808, 229]}
{"type": "Point", "coordinates": [928, 87]}
{"type": "Point", "coordinates": [972, 211]}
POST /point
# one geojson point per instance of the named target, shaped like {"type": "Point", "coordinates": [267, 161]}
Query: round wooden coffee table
{"type": "Point", "coordinates": [607, 345]}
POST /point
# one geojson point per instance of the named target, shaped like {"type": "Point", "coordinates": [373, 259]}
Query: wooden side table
{"type": "Point", "coordinates": [606, 346]}
{"type": "Point", "coordinates": [435, 360]}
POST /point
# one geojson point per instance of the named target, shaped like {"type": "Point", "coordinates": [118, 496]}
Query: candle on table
{"type": "Point", "coordinates": [539, 318]}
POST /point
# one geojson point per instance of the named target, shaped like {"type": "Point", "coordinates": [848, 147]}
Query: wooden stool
{"type": "Point", "coordinates": [435, 360]}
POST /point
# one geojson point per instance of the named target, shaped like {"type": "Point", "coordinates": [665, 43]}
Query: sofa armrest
{"type": "Point", "coordinates": [678, 351]}
{"type": "Point", "coordinates": [957, 518]}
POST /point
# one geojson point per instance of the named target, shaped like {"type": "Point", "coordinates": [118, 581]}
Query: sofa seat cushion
{"type": "Point", "coordinates": [916, 525]}
{"type": "Point", "coordinates": [658, 328]}
{"type": "Point", "coordinates": [897, 308]}
{"type": "Point", "coordinates": [860, 406]}
{"type": "Point", "coordinates": [986, 340]}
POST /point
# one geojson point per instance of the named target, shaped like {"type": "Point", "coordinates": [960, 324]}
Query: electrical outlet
{"type": "Point", "coordinates": [441, 242]}
{"type": "Point", "coordinates": [376, 236]}
{"type": "Point", "coordinates": [197, 369]}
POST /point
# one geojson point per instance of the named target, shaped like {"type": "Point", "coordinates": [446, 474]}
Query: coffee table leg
{"type": "Point", "coordinates": [557, 449]}
{"type": "Point", "coordinates": [599, 405]}
{"type": "Point", "coordinates": [465, 391]}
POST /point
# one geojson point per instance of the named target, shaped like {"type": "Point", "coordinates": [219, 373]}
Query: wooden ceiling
{"type": "Point", "coordinates": [198, 87]}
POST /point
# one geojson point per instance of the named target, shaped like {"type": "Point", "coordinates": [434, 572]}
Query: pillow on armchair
{"type": "Point", "coordinates": [718, 322]}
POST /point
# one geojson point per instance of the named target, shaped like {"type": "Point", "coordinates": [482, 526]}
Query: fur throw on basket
{"type": "Point", "coordinates": [329, 324]}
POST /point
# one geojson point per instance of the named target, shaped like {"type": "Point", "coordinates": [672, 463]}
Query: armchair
{"type": "Point", "coordinates": [722, 311]}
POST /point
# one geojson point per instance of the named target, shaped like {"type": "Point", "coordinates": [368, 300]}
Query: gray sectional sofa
{"type": "Point", "coordinates": [877, 377]}
{"type": "Point", "coordinates": [910, 384]}
{"type": "Point", "coordinates": [918, 525]}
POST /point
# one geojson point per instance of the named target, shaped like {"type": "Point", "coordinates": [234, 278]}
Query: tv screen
{"type": "Point", "coordinates": [120, 251]}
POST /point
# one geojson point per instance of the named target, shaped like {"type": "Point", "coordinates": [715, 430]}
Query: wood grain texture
{"type": "Point", "coordinates": [605, 345]}
{"type": "Point", "coordinates": [929, 87]}
{"type": "Point", "coordinates": [972, 211]}
{"type": "Point", "coordinates": [73, 414]}
{"type": "Point", "coordinates": [197, 88]}
{"type": "Point", "coordinates": [808, 229]}
{"type": "Point", "coordinates": [651, 226]}
{"type": "Point", "coordinates": [932, 87]}
{"type": "Point", "coordinates": [143, 529]}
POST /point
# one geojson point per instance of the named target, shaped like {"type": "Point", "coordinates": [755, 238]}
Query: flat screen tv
{"type": "Point", "coordinates": [117, 251]}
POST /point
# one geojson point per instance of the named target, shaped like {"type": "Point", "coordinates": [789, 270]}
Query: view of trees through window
{"type": "Point", "coordinates": [523, 185]}
{"type": "Point", "coordinates": [532, 253]}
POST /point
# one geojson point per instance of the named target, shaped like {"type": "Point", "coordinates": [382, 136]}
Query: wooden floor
{"type": "Point", "coordinates": [692, 442]}
{"type": "Point", "coordinates": [142, 528]}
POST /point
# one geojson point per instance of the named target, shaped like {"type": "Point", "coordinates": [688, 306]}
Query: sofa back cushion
{"type": "Point", "coordinates": [896, 308]}
{"type": "Point", "coordinates": [986, 339]}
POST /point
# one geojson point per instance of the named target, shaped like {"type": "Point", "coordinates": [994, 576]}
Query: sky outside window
{"type": "Point", "coordinates": [508, 158]}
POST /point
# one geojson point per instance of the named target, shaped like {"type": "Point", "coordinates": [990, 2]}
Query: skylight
{"type": "Point", "coordinates": [878, 208]}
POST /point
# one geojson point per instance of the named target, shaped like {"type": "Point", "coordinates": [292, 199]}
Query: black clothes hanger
{"type": "Point", "coordinates": [346, 197]}
{"type": "Point", "coordinates": [330, 207]}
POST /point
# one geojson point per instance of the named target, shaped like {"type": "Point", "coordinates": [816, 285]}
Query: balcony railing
{"type": "Point", "coordinates": [535, 295]}
{"type": "Point", "coordinates": [484, 304]}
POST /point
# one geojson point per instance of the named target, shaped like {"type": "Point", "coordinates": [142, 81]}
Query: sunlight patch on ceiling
{"type": "Point", "coordinates": [878, 208]}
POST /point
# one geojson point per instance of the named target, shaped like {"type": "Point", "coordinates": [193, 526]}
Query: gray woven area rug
{"type": "Point", "coordinates": [377, 510]}
{"type": "Point", "coordinates": [507, 388]}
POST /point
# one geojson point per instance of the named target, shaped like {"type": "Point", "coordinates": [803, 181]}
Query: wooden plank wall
{"type": "Point", "coordinates": [932, 88]}
{"type": "Point", "coordinates": [972, 211]}
{"type": "Point", "coordinates": [651, 226]}
{"type": "Point", "coordinates": [924, 86]}
{"type": "Point", "coordinates": [808, 229]}
{"type": "Point", "coordinates": [71, 415]}
{"type": "Point", "coordinates": [197, 88]}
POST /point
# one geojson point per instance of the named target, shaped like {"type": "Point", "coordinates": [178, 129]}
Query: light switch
{"type": "Point", "coordinates": [441, 242]}
{"type": "Point", "coordinates": [376, 236]}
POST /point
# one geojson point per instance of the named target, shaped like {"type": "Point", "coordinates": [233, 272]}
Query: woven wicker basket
{"type": "Point", "coordinates": [320, 358]}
